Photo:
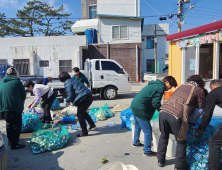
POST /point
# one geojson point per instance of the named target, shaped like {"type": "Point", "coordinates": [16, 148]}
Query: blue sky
{"type": "Point", "coordinates": [205, 11]}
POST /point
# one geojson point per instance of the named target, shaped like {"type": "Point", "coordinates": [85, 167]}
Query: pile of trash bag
{"type": "Point", "coordinates": [101, 113]}
{"type": "Point", "coordinates": [198, 149]}
{"type": "Point", "coordinates": [29, 122]}
{"type": "Point", "coordinates": [47, 138]}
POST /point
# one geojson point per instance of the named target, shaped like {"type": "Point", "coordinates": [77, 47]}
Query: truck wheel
{"type": "Point", "coordinates": [110, 93]}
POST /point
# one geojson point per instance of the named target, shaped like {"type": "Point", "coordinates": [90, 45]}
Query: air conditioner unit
{"type": "Point", "coordinates": [186, 1]}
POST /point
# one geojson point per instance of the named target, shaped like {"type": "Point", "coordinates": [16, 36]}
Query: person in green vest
{"type": "Point", "coordinates": [143, 106]}
{"type": "Point", "coordinates": [79, 76]}
{"type": "Point", "coordinates": [12, 98]}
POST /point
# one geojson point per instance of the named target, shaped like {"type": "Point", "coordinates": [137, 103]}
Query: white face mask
{"type": "Point", "coordinates": [75, 73]}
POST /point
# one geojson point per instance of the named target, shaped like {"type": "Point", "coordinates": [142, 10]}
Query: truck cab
{"type": "Point", "coordinates": [107, 77]}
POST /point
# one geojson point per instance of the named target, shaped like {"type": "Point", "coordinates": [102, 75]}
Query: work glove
{"type": "Point", "coordinates": [30, 105]}
{"type": "Point", "coordinates": [65, 103]}
{"type": "Point", "coordinates": [198, 133]}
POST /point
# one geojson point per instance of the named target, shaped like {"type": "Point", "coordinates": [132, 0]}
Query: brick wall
{"type": "Point", "coordinates": [85, 7]}
{"type": "Point", "coordinates": [124, 54]}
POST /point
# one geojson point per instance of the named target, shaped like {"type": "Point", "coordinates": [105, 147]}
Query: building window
{"type": "Point", "coordinates": [3, 62]}
{"type": "Point", "coordinates": [150, 42]}
{"type": "Point", "coordinates": [92, 11]}
{"type": "Point", "coordinates": [149, 64]}
{"type": "Point", "coordinates": [65, 65]}
{"type": "Point", "coordinates": [108, 65]}
{"type": "Point", "coordinates": [44, 63]}
{"type": "Point", "coordinates": [119, 32]}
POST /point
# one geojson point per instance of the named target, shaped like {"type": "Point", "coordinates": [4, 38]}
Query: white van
{"type": "Point", "coordinates": [107, 77]}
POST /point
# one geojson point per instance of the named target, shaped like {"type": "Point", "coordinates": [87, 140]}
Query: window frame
{"type": "Point", "coordinates": [150, 63]}
{"type": "Point", "coordinates": [98, 61]}
{"type": "Point", "coordinates": [44, 63]}
{"type": "Point", "coordinates": [150, 40]}
{"type": "Point", "coordinates": [65, 66]}
{"type": "Point", "coordinates": [3, 61]}
{"type": "Point", "coordinates": [109, 70]}
{"type": "Point", "coordinates": [127, 29]}
{"type": "Point", "coordinates": [93, 10]}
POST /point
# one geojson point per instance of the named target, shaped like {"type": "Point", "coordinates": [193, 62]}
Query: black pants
{"type": "Point", "coordinates": [169, 123]}
{"type": "Point", "coordinates": [83, 115]}
{"type": "Point", "coordinates": [13, 126]}
{"type": "Point", "coordinates": [47, 106]}
{"type": "Point", "coordinates": [215, 144]}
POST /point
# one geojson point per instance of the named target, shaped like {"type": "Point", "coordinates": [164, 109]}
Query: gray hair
{"type": "Point", "coordinates": [12, 72]}
{"type": "Point", "coordinates": [216, 82]}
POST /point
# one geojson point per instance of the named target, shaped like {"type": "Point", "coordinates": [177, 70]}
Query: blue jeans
{"type": "Point", "coordinates": [147, 130]}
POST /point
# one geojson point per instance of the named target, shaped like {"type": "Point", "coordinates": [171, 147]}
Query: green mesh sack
{"type": "Point", "coordinates": [48, 138]}
{"type": "Point", "coordinates": [155, 117]}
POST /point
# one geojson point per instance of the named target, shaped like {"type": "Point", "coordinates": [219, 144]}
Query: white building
{"type": "Point", "coordinates": [148, 57]}
{"type": "Point", "coordinates": [116, 21]}
{"type": "Point", "coordinates": [45, 56]}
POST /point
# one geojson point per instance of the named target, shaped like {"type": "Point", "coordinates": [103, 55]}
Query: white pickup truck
{"type": "Point", "coordinates": [107, 77]}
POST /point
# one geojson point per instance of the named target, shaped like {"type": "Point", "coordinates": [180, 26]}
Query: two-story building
{"type": "Point", "coordinates": [119, 27]}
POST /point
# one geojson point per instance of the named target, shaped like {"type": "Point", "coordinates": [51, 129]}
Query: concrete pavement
{"type": "Point", "coordinates": [114, 144]}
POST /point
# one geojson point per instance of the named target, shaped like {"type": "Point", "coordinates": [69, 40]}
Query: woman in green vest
{"type": "Point", "coordinates": [143, 107]}
{"type": "Point", "coordinates": [12, 98]}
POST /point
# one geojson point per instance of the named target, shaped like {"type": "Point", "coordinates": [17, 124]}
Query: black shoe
{"type": "Point", "coordinates": [161, 163]}
{"type": "Point", "coordinates": [185, 168]}
{"type": "Point", "coordinates": [150, 154]}
{"type": "Point", "coordinates": [92, 127]}
{"type": "Point", "coordinates": [82, 135]}
{"type": "Point", "coordinates": [139, 145]}
{"type": "Point", "coordinates": [19, 146]}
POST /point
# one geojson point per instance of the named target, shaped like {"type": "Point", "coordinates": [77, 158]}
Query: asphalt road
{"type": "Point", "coordinates": [114, 144]}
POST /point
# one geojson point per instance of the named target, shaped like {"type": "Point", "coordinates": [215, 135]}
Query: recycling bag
{"type": "Point", "coordinates": [48, 138]}
{"type": "Point", "coordinates": [56, 105]}
{"type": "Point", "coordinates": [127, 118]}
{"type": "Point", "coordinates": [29, 122]}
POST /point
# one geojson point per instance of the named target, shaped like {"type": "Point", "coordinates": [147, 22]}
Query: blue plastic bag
{"type": "Point", "coordinates": [127, 118]}
{"type": "Point", "coordinates": [29, 122]}
{"type": "Point", "coordinates": [69, 119]}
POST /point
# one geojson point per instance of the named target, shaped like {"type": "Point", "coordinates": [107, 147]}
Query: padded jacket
{"type": "Point", "coordinates": [175, 104]}
{"type": "Point", "coordinates": [76, 91]}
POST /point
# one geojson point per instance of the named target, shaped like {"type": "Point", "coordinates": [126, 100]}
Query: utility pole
{"type": "Point", "coordinates": [180, 9]}
{"type": "Point", "coordinates": [155, 51]}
